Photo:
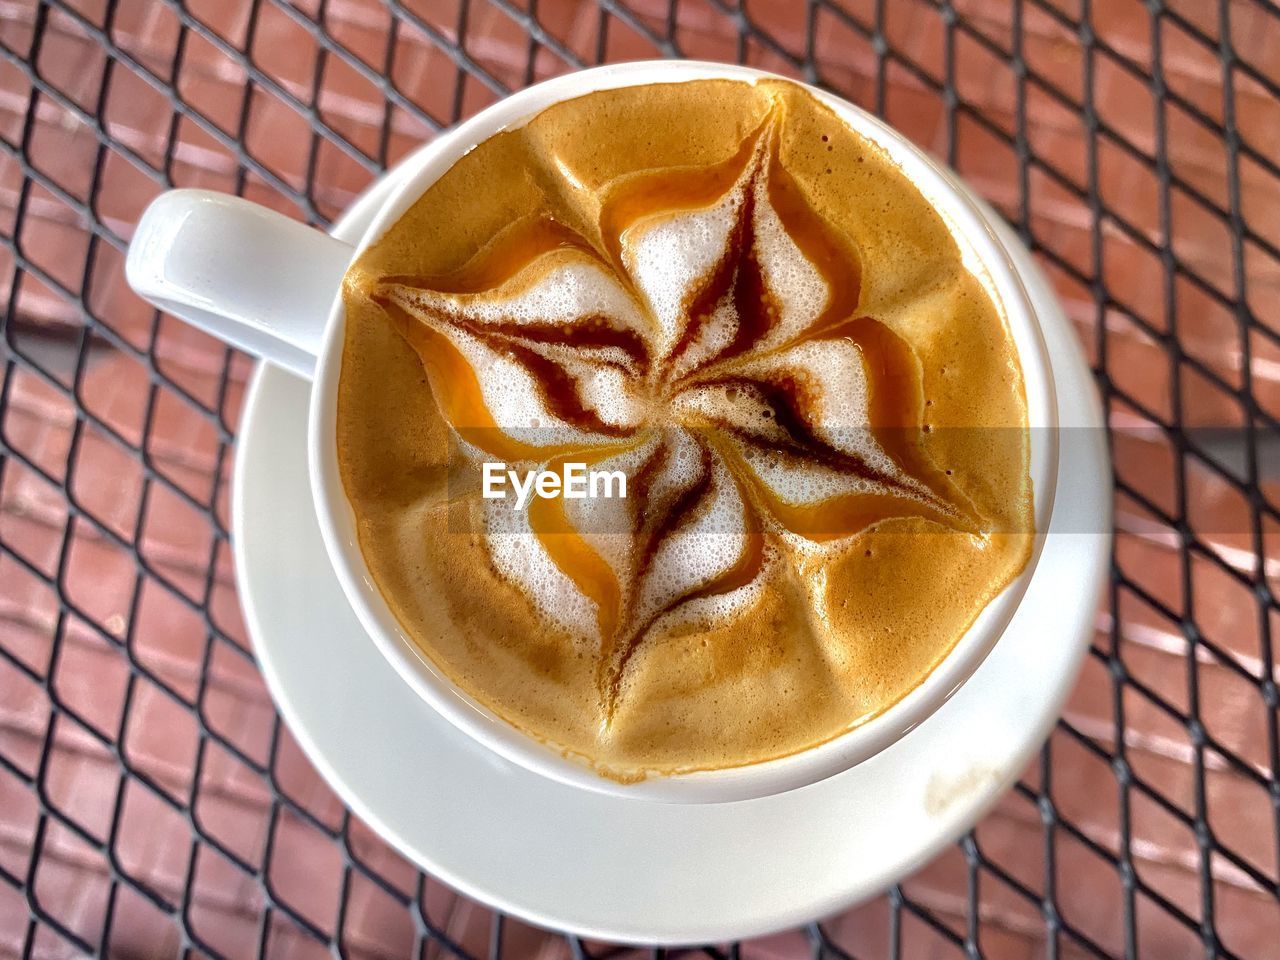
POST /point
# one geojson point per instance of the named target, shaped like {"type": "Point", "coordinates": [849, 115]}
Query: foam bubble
{"type": "Point", "coordinates": [685, 457]}
{"type": "Point", "coordinates": [682, 467]}
{"type": "Point", "coordinates": [519, 556]}
{"type": "Point", "coordinates": [741, 406]}
{"type": "Point", "coordinates": [795, 283]}
{"type": "Point", "coordinates": [607, 523]}
{"type": "Point", "coordinates": [515, 400]}
{"type": "Point", "coordinates": [801, 481]}
{"type": "Point", "coordinates": [715, 334]}
{"type": "Point", "coordinates": [608, 390]}
{"type": "Point", "coordinates": [700, 551]}
{"type": "Point", "coordinates": [562, 287]}
{"type": "Point", "coordinates": [666, 259]}
{"type": "Point", "coordinates": [835, 382]}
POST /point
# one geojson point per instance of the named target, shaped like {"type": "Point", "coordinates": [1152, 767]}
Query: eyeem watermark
{"type": "Point", "coordinates": [575, 483]}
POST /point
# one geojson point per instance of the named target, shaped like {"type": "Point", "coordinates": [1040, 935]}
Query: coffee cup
{"type": "Point", "coordinates": [271, 286]}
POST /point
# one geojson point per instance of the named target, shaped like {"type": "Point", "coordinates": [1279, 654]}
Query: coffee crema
{"type": "Point", "coordinates": [721, 291]}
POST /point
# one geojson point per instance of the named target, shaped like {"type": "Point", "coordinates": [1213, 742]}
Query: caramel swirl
{"type": "Point", "coordinates": [722, 292]}
{"type": "Point", "coordinates": [714, 322]}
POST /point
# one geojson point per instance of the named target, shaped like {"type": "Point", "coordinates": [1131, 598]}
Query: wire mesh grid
{"type": "Point", "coordinates": [152, 803]}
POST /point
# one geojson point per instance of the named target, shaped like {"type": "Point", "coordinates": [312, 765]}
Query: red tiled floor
{"type": "Point", "coordinates": [171, 393]}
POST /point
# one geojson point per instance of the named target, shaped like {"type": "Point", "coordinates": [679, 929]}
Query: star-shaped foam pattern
{"type": "Point", "coordinates": [707, 343]}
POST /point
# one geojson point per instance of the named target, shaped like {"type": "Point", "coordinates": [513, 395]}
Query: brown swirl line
{"type": "Point", "coordinates": [589, 332]}
{"type": "Point", "coordinates": [573, 555]}
{"type": "Point", "coordinates": [559, 390]}
{"type": "Point", "coordinates": [680, 514]}
{"type": "Point", "coordinates": [896, 404]}
{"type": "Point", "coordinates": [701, 303]}
{"type": "Point", "coordinates": [505, 255]}
{"type": "Point", "coordinates": [842, 515]}
{"type": "Point", "coordinates": [823, 245]}
{"type": "Point", "coordinates": [739, 273]}
{"type": "Point", "coordinates": [456, 388]}
{"type": "Point", "coordinates": [783, 396]}
{"type": "Point", "coordinates": [640, 196]}
{"type": "Point", "coordinates": [896, 408]}
{"type": "Point", "coordinates": [642, 485]}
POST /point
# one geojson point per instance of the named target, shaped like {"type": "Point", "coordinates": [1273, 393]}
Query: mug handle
{"type": "Point", "coordinates": [246, 274]}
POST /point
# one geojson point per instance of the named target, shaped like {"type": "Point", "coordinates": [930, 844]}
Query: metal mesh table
{"type": "Point", "coordinates": [151, 802]}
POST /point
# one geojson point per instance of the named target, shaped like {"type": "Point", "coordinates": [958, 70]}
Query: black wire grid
{"type": "Point", "coordinates": [151, 802]}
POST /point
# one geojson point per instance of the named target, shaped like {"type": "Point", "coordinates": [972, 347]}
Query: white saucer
{"type": "Point", "coordinates": [618, 869]}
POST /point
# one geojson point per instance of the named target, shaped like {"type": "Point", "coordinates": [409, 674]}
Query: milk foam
{"type": "Point", "coordinates": [608, 523]}
{"type": "Point", "coordinates": [514, 398]}
{"type": "Point", "coordinates": [668, 257]}
{"type": "Point", "coordinates": [561, 286]}
{"type": "Point", "coordinates": [799, 289]}
{"type": "Point", "coordinates": [702, 550]}
{"type": "Point", "coordinates": [572, 290]}
{"type": "Point", "coordinates": [518, 555]}
{"type": "Point", "coordinates": [774, 641]}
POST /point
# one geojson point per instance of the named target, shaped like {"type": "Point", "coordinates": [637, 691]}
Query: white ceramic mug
{"type": "Point", "coordinates": [271, 286]}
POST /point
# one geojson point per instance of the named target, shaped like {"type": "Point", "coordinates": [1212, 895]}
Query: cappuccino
{"type": "Point", "coordinates": [738, 312]}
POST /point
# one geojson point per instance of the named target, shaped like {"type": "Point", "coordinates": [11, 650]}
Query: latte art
{"type": "Point", "coordinates": [708, 341]}
{"type": "Point", "coordinates": [704, 329]}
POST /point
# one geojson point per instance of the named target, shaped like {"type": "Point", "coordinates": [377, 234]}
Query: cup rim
{"type": "Point", "coordinates": [972, 232]}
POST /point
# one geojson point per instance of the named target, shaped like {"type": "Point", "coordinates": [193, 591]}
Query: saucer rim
{"type": "Point", "coordinates": [982, 250]}
{"type": "Point", "coordinates": [860, 880]}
